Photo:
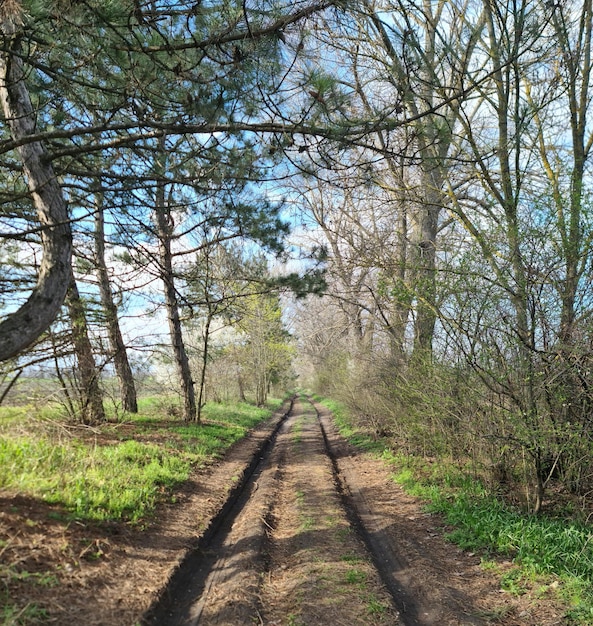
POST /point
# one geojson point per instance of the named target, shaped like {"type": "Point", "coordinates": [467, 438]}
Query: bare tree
{"type": "Point", "coordinates": [427, 48]}
{"type": "Point", "coordinates": [498, 219]}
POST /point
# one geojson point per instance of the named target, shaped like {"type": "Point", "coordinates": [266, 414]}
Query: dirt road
{"type": "Point", "coordinates": [287, 552]}
{"type": "Point", "coordinates": [318, 536]}
{"type": "Point", "coordinates": [294, 527]}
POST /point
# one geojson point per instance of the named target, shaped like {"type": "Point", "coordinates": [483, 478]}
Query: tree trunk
{"type": "Point", "coordinates": [578, 68]}
{"type": "Point", "coordinates": [240, 382]}
{"type": "Point", "coordinates": [56, 360]}
{"type": "Point", "coordinates": [21, 328]}
{"type": "Point", "coordinates": [91, 398]}
{"type": "Point", "coordinates": [164, 231]}
{"type": "Point", "coordinates": [424, 237]}
{"type": "Point", "coordinates": [402, 302]}
{"type": "Point", "coordinates": [540, 483]}
{"type": "Point", "coordinates": [201, 394]}
{"type": "Point", "coordinates": [117, 346]}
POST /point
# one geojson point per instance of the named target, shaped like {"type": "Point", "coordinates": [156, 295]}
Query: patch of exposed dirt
{"type": "Point", "coordinates": [319, 571]}
{"type": "Point", "coordinates": [296, 555]}
{"type": "Point", "coordinates": [108, 574]}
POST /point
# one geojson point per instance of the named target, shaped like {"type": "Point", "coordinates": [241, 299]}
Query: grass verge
{"type": "Point", "coordinates": [558, 552]}
{"type": "Point", "coordinates": [116, 471]}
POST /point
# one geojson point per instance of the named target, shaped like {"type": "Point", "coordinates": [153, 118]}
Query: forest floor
{"type": "Point", "coordinates": [318, 534]}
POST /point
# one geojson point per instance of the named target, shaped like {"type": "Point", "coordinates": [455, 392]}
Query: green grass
{"type": "Point", "coordinates": [123, 480]}
{"type": "Point", "coordinates": [100, 482]}
{"type": "Point", "coordinates": [11, 615]}
{"type": "Point", "coordinates": [297, 432]}
{"type": "Point", "coordinates": [355, 576]}
{"type": "Point", "coordinates": [558, 550]}
{"type": "Point", "coordinates": [348, 429]}
{"type": "Point", "coordinates": [374, 606]}
{"type": "Point", "coordinates": [483, 522]}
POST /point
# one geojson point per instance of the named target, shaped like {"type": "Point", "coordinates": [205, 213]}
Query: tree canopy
{"type": "Point", "coordinates": [433, 157]}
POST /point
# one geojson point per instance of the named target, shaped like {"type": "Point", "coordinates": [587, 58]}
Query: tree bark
{"type": "Point", "coordinates": [91, 398]}
{"type": "Point", "coordinates": [117, 346]}
{"type": "Point", "coordinates": [578, 68]}
{"type": "Point", "coordinates": [164, 229]}
{"type": "Point", "coordinates": [424, 237]}
{"type": "Point", "coordinates": [21, 328]}
{"type": "Point", "coordinates": [206, 345]}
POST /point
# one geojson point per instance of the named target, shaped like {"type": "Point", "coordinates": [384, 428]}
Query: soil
{"type": "Point", "coordinates": [293, 527]}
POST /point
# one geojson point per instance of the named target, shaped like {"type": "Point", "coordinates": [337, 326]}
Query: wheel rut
{"type": "Point", "coordinates": [299, 543]}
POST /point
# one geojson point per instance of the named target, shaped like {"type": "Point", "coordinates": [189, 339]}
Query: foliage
{"type": "Point", "coordinates": [12, 615]}
{"type": "Point", "coordinates": [458, 316]}
{"type": "Point", "coordinates": [348, 428]}
{"type": "Point", "coordinates": [245, 350]}
{"type": "Point", "coordinates": [148, 111]}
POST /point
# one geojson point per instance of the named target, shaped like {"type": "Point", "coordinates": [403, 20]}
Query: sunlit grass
{"type": "Point", "coordinates": [98, 482]}
{"type": "Point", "coordinates": [124, 477]}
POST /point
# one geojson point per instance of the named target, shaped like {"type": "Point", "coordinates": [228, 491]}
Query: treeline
{"type": "Point", "coordinates": [435, 155]}
{"type": "Point", "coordinates": [458, 318]}
{"type": "Point", "coordinates": [131, 198]}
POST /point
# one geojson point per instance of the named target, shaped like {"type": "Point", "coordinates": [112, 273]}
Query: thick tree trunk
{"type": "Point", "coordinates": [21, 328]}
{"type": "Point", "coordinates": [92, 411]}
{"type": "Point", "coordinates": [117, 346]}
{"type": "Point", "coordinates": [164, 231]}
{"type": "Point", "coordinates": [424, 238]}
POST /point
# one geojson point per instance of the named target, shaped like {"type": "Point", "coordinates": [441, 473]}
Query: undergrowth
{"type": "Point", "coordinates": [559, 550]}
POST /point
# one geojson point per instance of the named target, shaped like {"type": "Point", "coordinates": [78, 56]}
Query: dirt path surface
{"type": "Point", "coordinates": [286, 553]}
{"type": "Point", "coordinates": [295, 527]}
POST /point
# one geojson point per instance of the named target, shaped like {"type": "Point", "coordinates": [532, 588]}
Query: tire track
{"type": "Point", "coordinates": [219, 551]}
{"type": "Point", "coordinates": [287, 546]}
{"type": "Point", "coordinates": [391, 567]}
{"type": "Point", "coordinates": [400, 576]}
{"type": "Point", "coordinates": [319, 571]}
